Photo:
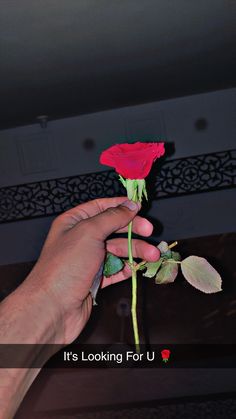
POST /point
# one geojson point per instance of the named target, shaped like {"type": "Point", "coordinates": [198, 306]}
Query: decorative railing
{"type": "Point", "coordinates": [188, 175]}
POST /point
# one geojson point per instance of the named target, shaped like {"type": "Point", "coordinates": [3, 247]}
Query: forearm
{"type": "Point", "coordinates": [14, 384]}
{"type": "Point", "coordinates": [27, 318]}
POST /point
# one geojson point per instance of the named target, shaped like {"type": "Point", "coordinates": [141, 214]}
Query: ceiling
{"type": "Point", "coordinates": [68, 57]}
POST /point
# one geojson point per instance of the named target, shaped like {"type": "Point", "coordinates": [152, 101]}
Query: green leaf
{"type": "Point", "coordinates": [163, 247]}
{"type": "Point", "coordinates": [131, 186]}
{"type": "Point", "coordinates": [142, 267]}
{"type": "Point", "coordinates": [122, 180]}
{"type": "Point", "coordinates": [145, 191]}
{"type": "Point", "coordinates": [152, 268]}
{"type": "Point", "coordinates": [175, 256]}
{"type": "Point", "coordinates": [112, 265]}
{"type": "Point", "coordinates": [140, 183]}
{"type": "Point", "coordinates": [167, 273]}
{"type": "Point", "coordinates": [201, 275]}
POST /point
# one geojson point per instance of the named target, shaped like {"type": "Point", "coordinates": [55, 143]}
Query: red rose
{"type": "Point", "coordinates": [132, 161]}
{"type": "Point", "coordinates": [165, 354]}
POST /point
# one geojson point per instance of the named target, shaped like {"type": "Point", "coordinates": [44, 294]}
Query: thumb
{"type": "Point", "coordinates": [114, 218]}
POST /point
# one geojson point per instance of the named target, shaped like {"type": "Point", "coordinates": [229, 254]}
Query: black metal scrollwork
{"type": "Point", "coordinates": [208, 172]}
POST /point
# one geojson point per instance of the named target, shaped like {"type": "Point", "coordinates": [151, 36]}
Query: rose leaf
{"type": "Point", "coordinates": [167, 273]}
{"type": "Point", "coordinates": [201, 275]}
{"type": "Point", "coordinates": [112, 265]}
{"type": "Point", "coordinates": [152, 268]}
{"type": "Point", "coordinates": [163, 247]}
{"type": "Point", "coordinates": [176, 256]}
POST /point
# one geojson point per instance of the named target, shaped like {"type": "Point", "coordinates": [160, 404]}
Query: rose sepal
{"type": "Point", "coordinates": [136, 188]}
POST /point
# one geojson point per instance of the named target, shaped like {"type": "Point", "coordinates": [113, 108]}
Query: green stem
{"type": "Point", "coordinates": [134, 287]}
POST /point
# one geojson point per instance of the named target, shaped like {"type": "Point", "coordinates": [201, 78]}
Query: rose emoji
{"type": "Point", "coordinates": [165, 355]}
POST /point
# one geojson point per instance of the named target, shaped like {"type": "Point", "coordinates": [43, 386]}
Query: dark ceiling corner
{"type": "Point", "coordinates": [71, 58]}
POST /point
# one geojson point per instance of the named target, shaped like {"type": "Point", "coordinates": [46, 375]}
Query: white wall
{"type": "Point", "coordinates": [29, 154]}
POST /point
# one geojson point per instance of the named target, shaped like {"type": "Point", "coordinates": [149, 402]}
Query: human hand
{"type": "Point", "coordinates": [74, 251]}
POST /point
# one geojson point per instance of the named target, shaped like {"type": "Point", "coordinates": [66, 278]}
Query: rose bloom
{"type": "Point", "coordinates": [132, 161]}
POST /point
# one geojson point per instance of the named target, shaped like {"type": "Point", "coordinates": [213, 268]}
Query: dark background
{"type": "Point", "coordinates": [63, 58]}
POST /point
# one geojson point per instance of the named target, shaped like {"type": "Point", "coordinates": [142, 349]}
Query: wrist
{"type": "Point", "coordinates": [29, 318]}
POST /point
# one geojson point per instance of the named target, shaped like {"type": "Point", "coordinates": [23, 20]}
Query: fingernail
{"type": "Point", "coordinates": [133, 206]}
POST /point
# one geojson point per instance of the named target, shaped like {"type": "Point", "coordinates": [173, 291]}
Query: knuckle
{"type": "Point", "coordinates": [58, 220]}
